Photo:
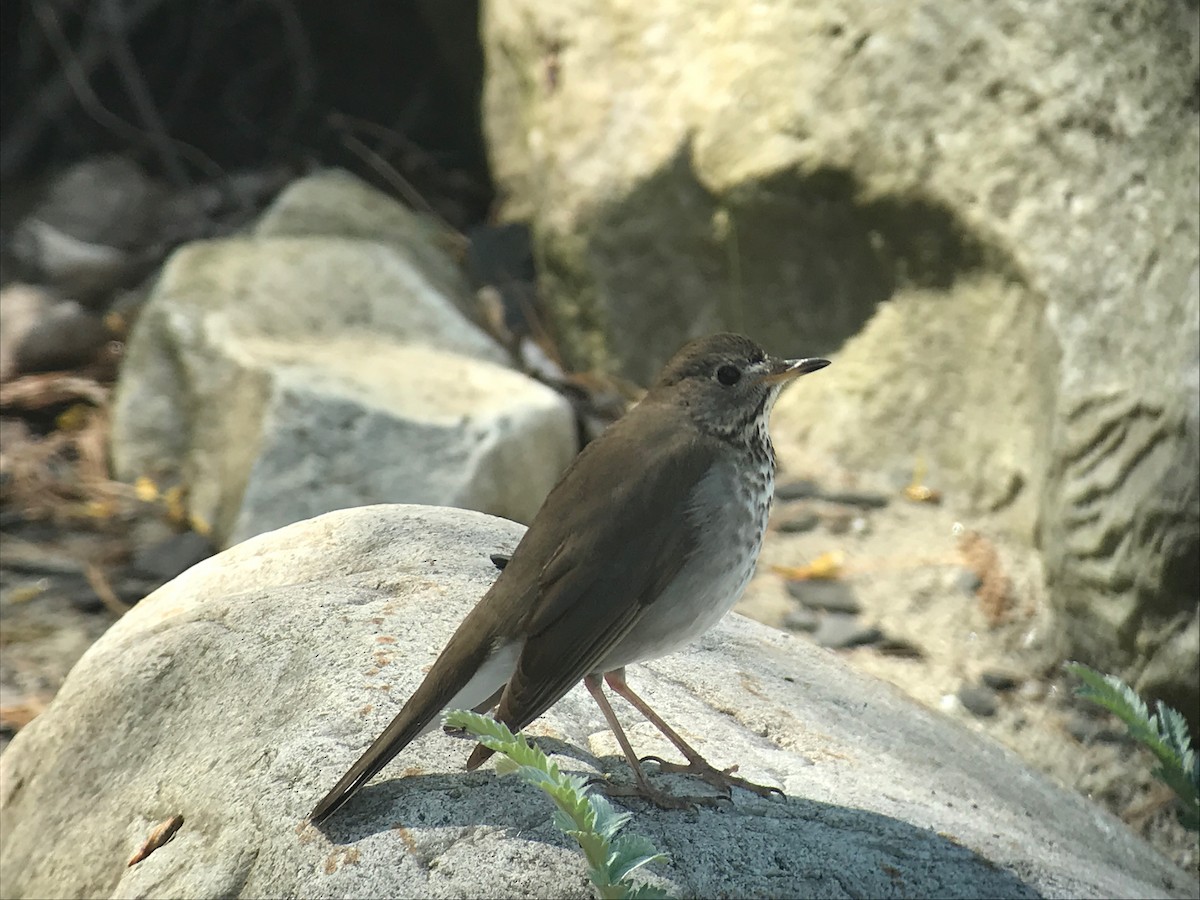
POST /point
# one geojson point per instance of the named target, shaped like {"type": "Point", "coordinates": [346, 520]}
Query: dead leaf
{"type": "Point", "coordinates": [157, 837]}
{"type": "Point", "coordinates": [995, 590]}
{"type": "Point", "coordinates": [16, 716]}
{"type": "Point", "coordinates": [826, 567]}
{"type": "Point", "coordinates": [919, 492]}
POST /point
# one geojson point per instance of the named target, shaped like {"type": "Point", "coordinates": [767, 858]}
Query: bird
{"type": "Point", "coordinates": [648, 538]}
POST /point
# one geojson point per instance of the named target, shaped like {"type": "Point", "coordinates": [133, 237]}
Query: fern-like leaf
{"type": "Point", "coordinates": [1164, 733]}
{"type": "Point", "coordinates": [592, 821]}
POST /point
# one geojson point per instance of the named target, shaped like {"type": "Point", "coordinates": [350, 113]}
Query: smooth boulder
{"type": "Point", "coordinates": [238, 693]}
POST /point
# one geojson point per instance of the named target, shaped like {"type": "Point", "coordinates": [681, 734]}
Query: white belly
{"type": "Point", "coordinates": [714, 576]}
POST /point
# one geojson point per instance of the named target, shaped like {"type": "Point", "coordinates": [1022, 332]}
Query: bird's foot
{"type": "Point", "coordinates": [722, 779]}
{"type": "Point", "coordinates": [646, 791]}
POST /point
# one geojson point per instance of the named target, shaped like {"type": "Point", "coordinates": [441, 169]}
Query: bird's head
{"type": "Point", "coordinates": [728, 383]}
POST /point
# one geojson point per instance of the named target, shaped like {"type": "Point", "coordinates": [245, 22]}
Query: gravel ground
{"type": "Point", "coordinates": [983, 651]}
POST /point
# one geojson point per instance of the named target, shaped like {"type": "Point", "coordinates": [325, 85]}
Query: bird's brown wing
{"type": "Point", "coordinates": [604, 571]}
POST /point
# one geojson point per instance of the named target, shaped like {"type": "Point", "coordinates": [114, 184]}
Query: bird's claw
{"type": "Point", "coordinates": [645, 791]}
{"type": "Point", "coordinates": [721, 779]}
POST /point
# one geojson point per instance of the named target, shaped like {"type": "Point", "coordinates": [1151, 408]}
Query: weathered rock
{"type": "Point", "coordinates": [282, 376]}
{"type": "Point", "coordinates": [22, 308]}
{"type": "Point", "coordinates": [67, 337]}
{"type": "Point", "coordinates": [92, 229]}
{"type": "Point", "coordinates": [237, 693]}
{"type": "Point", "coordinates": [990, 209]}
{"type": "Point", "coordinates": [336, 203]}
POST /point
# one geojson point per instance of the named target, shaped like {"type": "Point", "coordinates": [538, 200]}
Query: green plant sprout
{"type": "Point", "coordinates": [1164, 732]}
{"type": "Point", "coordinates": [591, 820]}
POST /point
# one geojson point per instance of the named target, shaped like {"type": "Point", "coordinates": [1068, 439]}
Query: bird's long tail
{"type": "Point", "coordinates": [459, 677]}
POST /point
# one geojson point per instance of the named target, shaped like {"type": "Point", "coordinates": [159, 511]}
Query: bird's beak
{"type": "Point", "coordinates": [782, 370]}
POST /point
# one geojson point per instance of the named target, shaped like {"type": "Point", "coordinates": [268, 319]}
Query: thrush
{"type": "Point", "coordinates": [646, 541]}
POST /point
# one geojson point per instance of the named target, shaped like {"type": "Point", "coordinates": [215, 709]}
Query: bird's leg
{"type": "Point", "coordinates": [722, 779]}
{"type": "Point", "coordinates": [644, 788]}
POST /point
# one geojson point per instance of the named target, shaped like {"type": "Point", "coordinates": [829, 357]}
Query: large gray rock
{"type": "Point", "coordinates": [989, 208]}
{"type": "Point", "coordinates": [323, 363]}
{"type": "Point", "coordinates": [235, 695]}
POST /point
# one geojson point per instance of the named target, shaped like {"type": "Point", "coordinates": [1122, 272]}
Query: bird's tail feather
{"type": "Point", "coordinates": [461, 684]}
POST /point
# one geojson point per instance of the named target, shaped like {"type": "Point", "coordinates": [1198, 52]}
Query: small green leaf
{"type": "Point", "coordinates": [1165, 734]}
{"type": "Point", "coordinates": [592, 821]}
{"type": "Point", "coordinates": [1175, 733]}
{"type": "Point", "coordinates": [647, 892]}
{"type": "Point", "coordinates": [631, 852]}
{"type": "Point", "coordinates": [608, 820]}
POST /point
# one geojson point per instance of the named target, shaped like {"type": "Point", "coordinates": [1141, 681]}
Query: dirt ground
{"type": "Point", "coordinates": [929, 624]}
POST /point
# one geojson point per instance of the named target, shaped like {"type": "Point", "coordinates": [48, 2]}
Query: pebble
{"type": "Point", "coordinates": [132, 590]}
{"type": "Point", "coordinates": [978, 699]}
{"type": "Point", "coordinates": [1034, 691]}
{"type": "Point", "coordinates": [838, 521]}
{"type": "Point", "coordinates": [966, 581]}
{"type": "Point", "coordinates": [798, 489]}
{"type": "Point", "coordinates": [839, 631]}
{"type": "Point", "coordinates": [801, 619]}
{"type": "Point", "coordinates": [899, 647]}
{"type": "Point", "coordinates": [1088, 730]}
{"type": "Point", "coordinates": [66, 337]}
{"type": "Point", "coordinates": [861, 499]}
{"type": "Point", "coordinates": [795, 519]}
{"type": "Point", "coordinates": [828, 596]}
{"type": "Point", "coordinates": [172, 556]}
{"type": "Point", "coordinates": [1000, 680]}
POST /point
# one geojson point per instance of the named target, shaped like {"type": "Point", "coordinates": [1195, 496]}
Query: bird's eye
{"type": "Point", "coordinates": [728, 375]}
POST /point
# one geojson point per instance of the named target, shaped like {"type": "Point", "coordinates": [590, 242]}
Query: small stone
{"type": "Point", "coordinates": [89, 232]}
{"type": "Point", "coordinates": [978, 699]}
{"type": "Point", "coordinates": [800, 619]}
{"type": "Point", "coordinates": [860, 499]}
{"type": "Point", "coordinates": [795, 519]}
{"type": "Point", "coordinates": [66, 337]}
{"type": "Point", "coordinates": [81, 595]}
{"type": "Point", "coordinates": [1033, 690]}
{"type": "Point", "coordinates": [23, 308]}
{"type": "Point", "coordinates": [899, 647]}
{"type": "Point", "coordinates": [131, 590]}
{"type": "Point", "coordinates": [839, 631]}
{"type": "Point", "coordinates": [1088, 730]}
{"type": "Point", "coordinates": [828, 596]}
{"type": "Point", "coordinates": [838, 521]}
{"type": "Point", "coordinates": [999, 680]}
{"type": "Point", "coordinates": [966, 581]}
{"type": "Point", "coordinates": [172, 556]}
{"type": "Point", "coordinates": [799, 489]}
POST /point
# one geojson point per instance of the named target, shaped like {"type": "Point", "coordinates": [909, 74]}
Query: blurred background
{"type": "Point", "coordinates": [260, 260]}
